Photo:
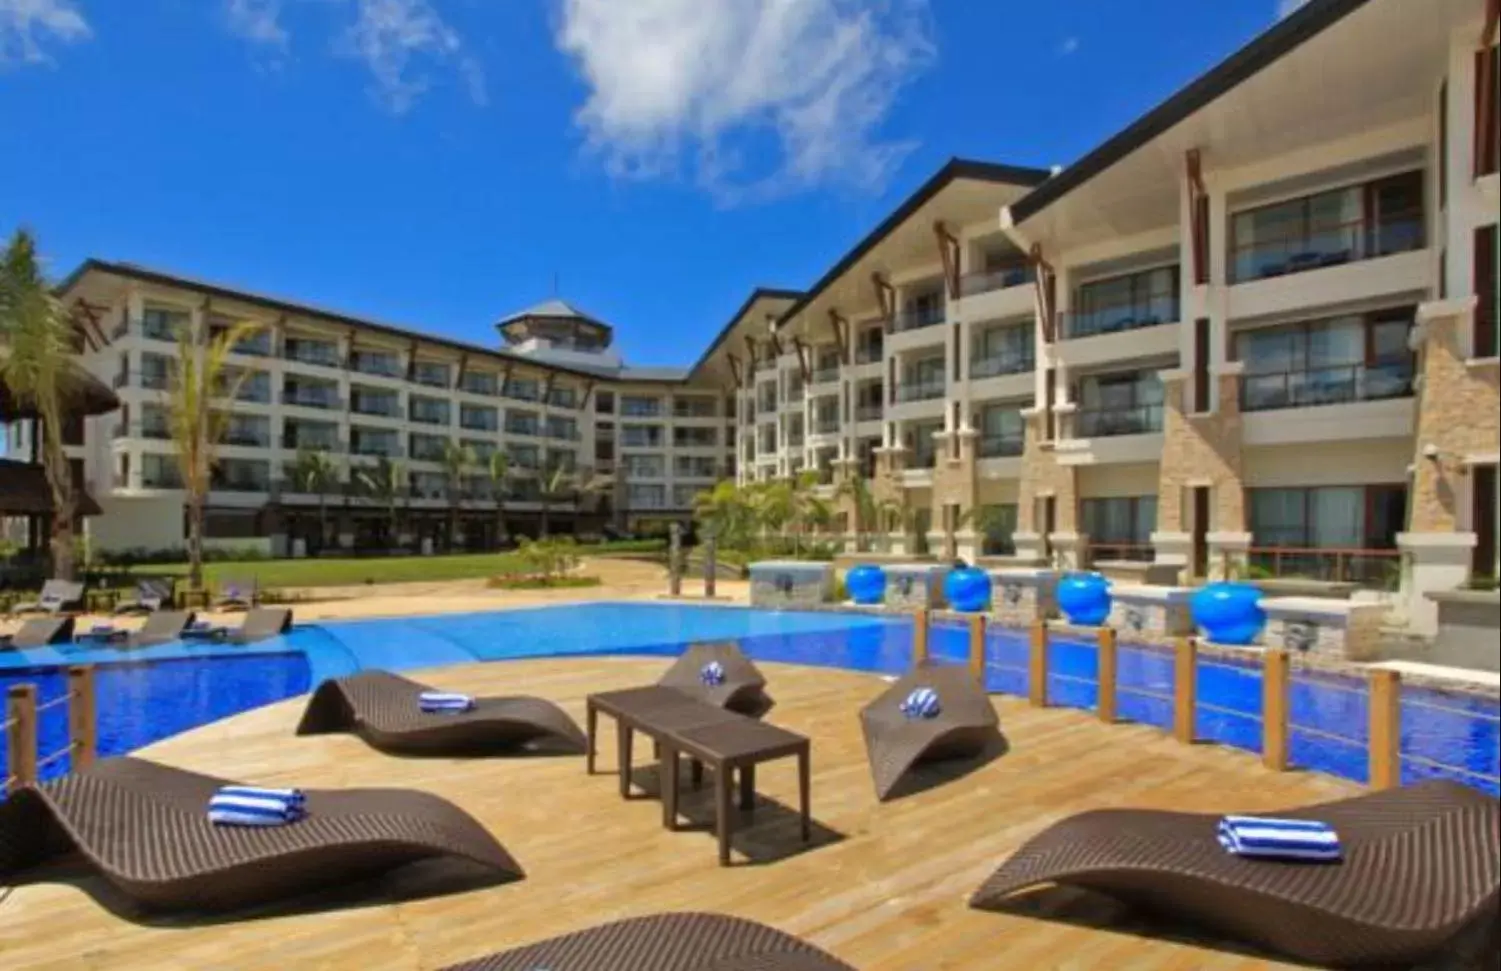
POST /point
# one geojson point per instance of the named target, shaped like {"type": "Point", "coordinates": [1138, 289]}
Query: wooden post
{"type": "Point", "coordinates": [1037, 665]}
{"type": "Point", "coordinates": [82, 721]}
{"type": "Point", "coordinates": [1185, 689]}
{"type": "Point", "coordinates": [1385, 729]}
{"type": "Point", "coordinates": [20, 711]}
{"type": "Point", "coordinates": [674, 560]}
{"type": "Point", "coordinates": [711, 563]}
{"type": "Point", "coordinates": [1107, 675]}
{"type": "Point", "coordinates": [1274, 710]}
{"type": "Point", "coordinates": [919, 637]}
{"type": "Point", "coordinates": [977, 648]}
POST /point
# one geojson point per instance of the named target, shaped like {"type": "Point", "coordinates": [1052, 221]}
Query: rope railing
{"type": "Point", "coordinates": [21, 728]}
{"type": "Point", "coordinates": [1379, 694]}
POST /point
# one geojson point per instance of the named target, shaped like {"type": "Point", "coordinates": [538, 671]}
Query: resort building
{"type": "Point", "coordinates": [1255, 330]}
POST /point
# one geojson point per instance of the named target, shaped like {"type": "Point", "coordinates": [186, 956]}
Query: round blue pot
{"type": "Point", "coordinates": [1228, 613]}
{"type": "Point", "coordinates": [866, 584]}
{"type": "Point", "coordinates": [967, 588]}
{"type": "Point", "coordinates": [1084, 599]}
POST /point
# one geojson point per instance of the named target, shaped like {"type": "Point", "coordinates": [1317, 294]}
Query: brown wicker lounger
{"type": "Point", "coordinates": [145, 826]}
{"type": "Point", "coordinates": [381, 708]}
{"type": "Point", "coordinates": [965, 725]}
{"type": "Point", "coordinates": [666, 942]}
{"type": "Point", "coordinates": [162, 627]}
{"type": "Point", "coordinates": [744, 687]}
{"type": "Point", "coordinates": [41, 632]}
{"type": "Point", "coordinates": [1421, 863]}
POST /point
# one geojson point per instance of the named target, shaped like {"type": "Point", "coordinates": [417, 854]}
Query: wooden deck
{"type": "Point", "coordinates": [884, 886]}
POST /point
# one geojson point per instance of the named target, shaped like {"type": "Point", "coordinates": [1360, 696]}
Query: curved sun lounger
{"type": "Point", "coordinates": [895, 744]}
{"type": "Point", "coordinates": [145, 827]}
{"type": "Point", "coordinates": [1421, 863]}
{"type": "Point", "coordinates": [162, 627]}
{"type": "Point", "coordinates": [666, 942]}
{"type": "Point", "coordinates": [41, 632]}
{"type": "Point", "coordinates": [382, 708]}
{"type": "Point", "coordinates": [743, 689]}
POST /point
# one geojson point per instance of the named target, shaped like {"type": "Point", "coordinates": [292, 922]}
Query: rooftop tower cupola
{"type": "Point", "coordinates": [558, 332]}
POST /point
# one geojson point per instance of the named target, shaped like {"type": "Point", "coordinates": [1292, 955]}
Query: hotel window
{"type": "Point", "coordinates": [604, 402]}
{"type": "Point", "coordinates": [1361, 357]}
{"type": "Point", "coordinates": [923, 380]}
{"type": "Point", "coordinates": [694, 437]}
{"type": "Point", "coordinates": [478, 418]}
{"type": "Point", "coordinates": [522, 423]}
{"type": "Point", "coordinates": [523, 389]}
{"type": "Point", "coordinates": [307, 350]}
{"type": "Point", "coordinates": [683, 496]}
{"type": "Point", "coordinates": [638, 406]}
{"type": "Point", "coordinates": [1003, 350]}
{"type": "Point", "coordinates": [869, 345]}
{"type": "Point", "coordinates": [563, 398]}
{"type": "Point", "coordinates": [159, 323]}
{"type": "Point", "coordinates": [562, 429]}
{"type": "Point", "coordinates": [646, 496]}
{"type": "Point", "coordinates": [1119, 528]}
{"type": "Point", "coordinates": [1126, 302]}
{"type": "Point", "coordinates": [527, 457]}
{"type": "Point", "coordinates": [1329, 228]}
{"type": "Point", "coordinates": [1487, 130]}
{"type": "Point", "coordinates": [644, 466]}
{"type": "Point", "coordinates": [479, 382]}
{"type": "Point", "coordinates": [641, 436]}
{"type": "Point", "coordinates": [160, 472]}
{"type": "Point", "coordinates": [1341, 533]}
{"type": "Point", "coordinates": [157, 371]}
{"type": "Point", "coordinates": [428, 411]}
{"type": "Point", "coordinates": [427, 448]}
{"type": "Point", "coordinates": [382, 363]}
{"type": "Point", "coordinates": [481, 450]}
{"type": "Point", "coordinates": [561, 460]}
{"type": "Point", "coordinates": [253, 431]}
{"type": "Point", "coordinates": [1002, 431]}
{"type": "Point", "coordinates": [693, 467]}
{"type": "Point", "coordinates": [431, 373]}
{"type": "Point", "coordinates": [1119, 404]}
{"type": "Point", "coordinates": [920, 443]}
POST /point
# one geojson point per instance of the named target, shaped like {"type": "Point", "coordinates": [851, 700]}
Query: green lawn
{"type": "Point", "coordinates": [281, 574]}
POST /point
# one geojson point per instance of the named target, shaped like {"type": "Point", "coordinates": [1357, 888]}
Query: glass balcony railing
{"type": "Point", "coordinates": [248, 437]}
{"type": "Point", "coordinates": [869, 353]}
{"type": "Point", "coordinates": [1000, 446]}
{"type": "Point", "coordinates": [389, 448]}
{"type": "Point", "coordinates": [921, 391]}
{"type": "Point", "coordinates": [156, 380]}
{"type": "Point", "coordinates": [996, 365]}
{"type": "Point", "coordinates": [826, 375]}
{"type": "Point", "coordinates": [300, 440]}
{"type": "Point", "coordinates": [1312, 387]}
{"type": "Point", "coordinates": [428, 416]}
{"type": "Point", "coordinates": [241, 484]}
{"type": "Point", "coordinates": [530, 428]}
{"type": "Point", "coordinates": [869, 412]}
{"type": "Point", "coordinates": [1001, 278]}
{"type": "Point", "coordinates": [1109, 422]}
{"type": "Point", "coordinates": [321, 355]}
{"type": "Point", "coordinates": [376, 406]}
{"type": "Point", "coordinates": [310, 398]}
{"type": "Point", "coordinates": [1326, 245]}
{"type": "Point", "coordinates": [380, 365]}
{"type": "Point", "coordinates": [916, 318]}
{"type": "Point", "coordinates": [1120, 317]}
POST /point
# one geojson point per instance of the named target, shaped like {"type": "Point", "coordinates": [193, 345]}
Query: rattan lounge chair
{"type": "Point", "coordinates": [238, 594]}
{"type": "Point", "coordinates": [261, 623]}
{"type": "Point", "coordinates": [57, 596]}
{"type": "Point", "coordinates": [162, 627]}
{"type": "Point", "coordinates": [666, 942]}
{"type": "Point", "coordinates": [40, 632]}
{"type": "Point", "coordinates": [382, 708]}
{"type": "Point", "coordinates": [965, 726]}
{"type": "Point", "coordinates": [145, 827]}
{"type": "Point", "coordinates": [1420, 867]}
{"type": "Point", "coordinates": [744, 687]}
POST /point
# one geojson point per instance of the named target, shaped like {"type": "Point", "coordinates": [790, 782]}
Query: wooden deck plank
{"type": "Point", "coordinates": [887, 895]}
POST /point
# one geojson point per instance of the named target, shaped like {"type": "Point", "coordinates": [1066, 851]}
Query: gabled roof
{"type": "Point", "coordinates": [1283, 38]}
{"type": "Point", "coordinates": [760, 293]}
{"type": "Point", "coordinates": [954, 170]}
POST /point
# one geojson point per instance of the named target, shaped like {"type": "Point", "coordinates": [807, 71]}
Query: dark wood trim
{"type": "Point", "coordinates": [1201, 365]}
{"type": "Point", "coordinates": [1047, 291]}
{"type": "Point", "coordinates": [1198, 207]}
{"type": "Point", "coordinates": [735, 371]}
{"type": "Point", "coordinates": [411, 359]}
{"type": "Point", "coordinates": [1484, 331]}
{"type": "Point", "coordinates": [948, 253]}
{"type": "Point", "coordinates": [801, 350]}
{"type": "Point", "coordinates": [458, 377]}
{"type": "Point", "coordinates": [841, 334]}
{"type": "Point", "coordinates": [885, 298]}
{"type": "Point", "coordinates": [750, 346]}
{"type": "Point", "coordinates": [584, 398]}
{"type": "Point", "coordinates": [1487, 130]}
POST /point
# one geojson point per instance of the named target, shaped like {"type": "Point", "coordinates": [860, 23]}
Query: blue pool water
{"type": "Point", "coordinates": [177, 688]}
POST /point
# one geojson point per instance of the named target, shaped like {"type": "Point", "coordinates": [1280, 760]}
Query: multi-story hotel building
{"type": "Point", "coordinates": [1255, 328]}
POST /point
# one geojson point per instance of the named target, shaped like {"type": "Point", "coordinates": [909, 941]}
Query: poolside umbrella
{"type": "Point", "coordinates": [82, 395]}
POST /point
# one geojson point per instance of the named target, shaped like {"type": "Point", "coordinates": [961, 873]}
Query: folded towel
{"type": "Point", "coordinates": [921, 703]}
{"type": "Point", "coordinates": [1279, 839]}
{"type": "Point", "coordinates": [247, 806]}
{"type": "Point", "coordinates": [712, 674]}
{"type": "Point", "coordinates": [443, 701]}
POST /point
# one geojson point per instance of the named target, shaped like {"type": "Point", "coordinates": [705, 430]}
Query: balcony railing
{"type": "Point", "coordinates": [316, 443]}
{"type": "Point", "coordinates": [916, 319]}
{"type": "Point", "coordinates": [869, 412]}
{"type": "Point", "coordinates": [1374, 568]}
{"type": "Point", "coordinates": [529, 428]}
{"type": "Point", "coordinates": [155, 431]}
{"type": "Point", "coordinates": [998, 279]}
{"type": "Point", "coordinates": [561, 434]}
{"type": "Point", "coordinates": [921, 391]}
{"type": "Point", "coordinates": [638, 441]}
{"type": "Point", "coordinates": [257, 346]}
{"type": "Point", "coordinates": [521, 392]}
{"type": "Point", "coordinates": [629, 410]}
{"type": "Point", "coordinates": [694, 441]}
{"type": "Point", "coordinates": [474, 384]}
{"type": "Point", "coordinates": [241, 485]}
{"type": "Point", "coordinates": [1000, 446]}
{"type": "Point", "coordinates": [319, 355]}
{"type": "Point", "coordinates": [1109, 422]}
{"type": "Point", "coordinates": [247, 439]}
{"type": "Point", "coordinates": [1340, 384]}
{"type": "Point", "coordinates": [255, 393]}
{"type": "Point", "coordinates": [1130, 552]}
{"type": "Point", "coordinates": [308, 398]}
{"type": "Point", "coordinates": [121, 380]}
{"type": "Point", "coordinates": [826, 375]}
{"type": "Point", "coordinates": [998, 364]}
{"type": "Point", "coordinates": [379, 407]}
{"type": "Point", "coordinates": [479, 425]}
{"type": "Point", "coordinates": [1330, 244]}
{"type": "Point", "coordinates": [1121, 317]}
{"type": "Point", "coordinates": [381, 367]}
{"type": "Point", "coordinates": [869, 353]}
{"type": "Point", "coordinates": [826, 426]}
{"type": "Point", "coordinates": [428, 417]}
{"type": "Point", "coordinates": [155, 380]}
{"type": "Point", "coordinates": [376, 448]}
{"type": "Point", "coordinates": [161, 480]}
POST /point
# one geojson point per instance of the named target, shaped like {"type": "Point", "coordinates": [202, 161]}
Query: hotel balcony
{"type": "Point", "coordinates": [1121, 332]}
{"type": "Point", "coordinates": [1000, 293]}
{"type": "Point", "coordinates": [1343, 403]}
{"type": "Point", "coordinates": [311, 398]}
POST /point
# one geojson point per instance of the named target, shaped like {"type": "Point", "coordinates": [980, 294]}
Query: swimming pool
{"type": "Point", "coordinates": [179, 687]}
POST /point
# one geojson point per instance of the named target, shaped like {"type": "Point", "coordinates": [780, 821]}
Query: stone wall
{"type": "Point", "coordinates": [1201, 450]}
{"type": "Point", "coordinates": [791, 584]}
{"type": "Point", "coordinates": [1343, 630]}
{"type": "Point", "coordinates": [1459, 413]}
{"type": "Point", "coordinates": [1043, 476]}
{"type": "Point", "coordinates": [910, 586]}
{"type": "Point", "coordinates": [1150, 615]}
{"type": "Point", "coordinates": [1018, 598]}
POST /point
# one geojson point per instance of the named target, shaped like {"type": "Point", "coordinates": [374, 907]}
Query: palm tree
{"type": "Point", "coordinates": [456, 460]}
{"type": "Point", "coordinates": [39, 338]}
{"type": "Point", "coordinates": [384, 482]}
{"type": "Point", "coordinates": [557, 482]}
{"type": "Point", "coordinates": [314, 473]}
{"type": "Point", "coordinates": [499, 470]}
{"type": "Point", "coordinates": [725, 511]}
{"type": "Point", "coordinates": [863, 503]}
{"type": "Point", "coordinates": [202, 373]}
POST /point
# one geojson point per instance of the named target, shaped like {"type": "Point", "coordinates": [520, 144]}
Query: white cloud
{"type": "Point", "coordinates": [258, 21]}
{"type": "Point", "coordinates": [1286, 8]}
{"type": "Point", "coordinates": [392, 38]}
{"type": "Point", "coordinates": [670, 79]}
{"type": "Point", "coordinates": [24, 24]}
{"type": "Point", "coordinates": [1069, 46]}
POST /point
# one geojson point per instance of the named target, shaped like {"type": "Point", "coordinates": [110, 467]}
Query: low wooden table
{"type": "Point", "coordinates": [652, 710]}
{"type": "Point", "coordinates": [734, 747]}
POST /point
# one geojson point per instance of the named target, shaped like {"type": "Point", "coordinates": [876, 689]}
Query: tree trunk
{"type": "Point", "coordinates": [195, 541]}
{"type": "Point", "coordinates": [453, 527]}
{"type": "Point", "coordinates": [393, 528]}
{"type": "Point", "coordinates": [60, 478]}
{"type": "Point", "coordinates": [546, 522]}
{"type": "Point", "coordinates": [322, 523]}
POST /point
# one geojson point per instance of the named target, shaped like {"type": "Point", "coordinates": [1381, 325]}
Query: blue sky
{"type": "Point", "coordinates": [435, 163]}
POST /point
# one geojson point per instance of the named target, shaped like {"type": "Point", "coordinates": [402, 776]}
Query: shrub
{"type": "Point", "coordinates": [542, 582]}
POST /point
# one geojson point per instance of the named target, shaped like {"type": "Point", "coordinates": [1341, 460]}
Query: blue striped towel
{"type": "Point", "coordinates": [1279, 839]}
{"type": "Point", "coordinates": [203, 628]}
{"type": "Point", "coordinates": [712, 674]}
{"type": "Point", "coordinates": [251, 806]}
{"type": "Point", "coordinates": [435, 702]}
{"type": "Point", "coordinates": [921, 703]}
